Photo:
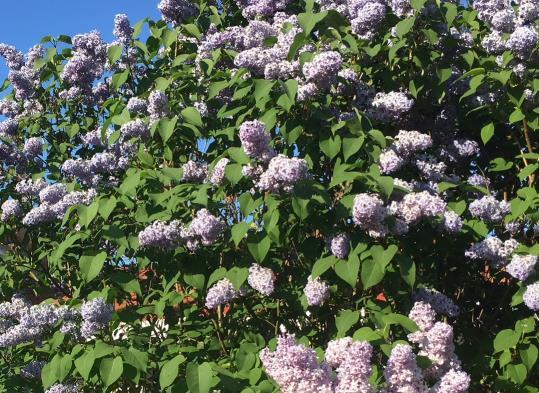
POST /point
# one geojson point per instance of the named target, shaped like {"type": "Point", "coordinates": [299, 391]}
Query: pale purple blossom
{"type": "Point", "coordinates": [316, 291]}
{"type": "Point", "coordinates": [261, 279]}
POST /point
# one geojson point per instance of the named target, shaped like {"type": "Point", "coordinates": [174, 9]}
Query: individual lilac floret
{"type": "Point", "coordinates": [217, 176]}
{"type": "Point", "coordinates": [194, 171]}
{"type": "Point", "coordinates": [122, 29]}
{"type": "Point", "coordinates": [137, 105]}
{"type": "Point", "coordinates": [531, 296]}
{"type": "Point", "coordinates": [63, 388]}
{"type": "Point", "coordinates": [96, 315]}
{"type": "Point", "coordinates": [157, 105]}
{"type": "Point", "coordinates": [161, 234]}
{"type": "Point", "coordinates": [221, 292]}
{"type": "Point", "coordinates": [489, 209]}
{"type": "Point", "coordinates": [369, 214]}
{"type": "Point", "coordinates": [522, 266]}
{"type": "Point", "coordinates": [33, 369]}
{"type": "Point", "coordinates": [417, 205]}
{"type": "Point", "coordinates": [295, 368]}
{"type": "Point", "coordinates": [390, 107]}
{"type": "Point", "coordinates": [176, 11]}
{"type": "Point", "coordinates": [207, 227]}
{"type": "Point", "coordinates": [135, 129]}
{"type": "Point", "coordinates": [255, 140]}
{"type": "Point", "coordinates": [402, 373]}
{"type": "Point", "coordinates": [437, 300]}
{"type": "Point", "coordinates": [52, 193]}
{"type": "Point", "coordinates": [262, 279]}
{"type": "Point", "coordinates": [282, 174]}
{"type": "Point", "coordinates": [316, 291]}
{"type": "Point", "coordinates": [339, 245]}
{"type": "Point", "coordinates": [452, 222]}
{"type": "Point", "coordinates": [10, 208]}
{"type": "Point", "coordinates": [452, 382]}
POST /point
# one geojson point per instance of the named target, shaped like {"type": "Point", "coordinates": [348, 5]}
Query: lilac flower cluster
{"type": "Point", "coordinates": [63, 388]}
{"type": "Point", "coordinates": [217, 175]}
{"type": "Point", "coordinates": [55, 201]}
{"type": "Point", "coordinates": [406, 144]}
{"type": "Point", "coordinates": [531, 296]}
{"type": "Point", "coordinates": [204, 228]}
{"type": "Point", "coordinates": [157, 105]}
{"type": "Point", "coordinates": [417, 205]}
{"type": "Point", "coordinates": [439, 302]}
{"type": "Point", "coordinates": [33, 369]}
{"type": "Point", "coordinates": [194, 171]}
{"type": "Point", "coordinates": [161, 234]}
{"type": "Point", "coordinates": [176, 11]}
{"type": "Point", "coordinates": [96, 314]}
{"type": "Point", "coordinates": [492, 249]}
{"type": "Point", "coordinates": [135, 129]}
{"type": "Point", "coordinates": [522, 266]}
{"type": "Point", "coordinates": [339, 245]}
{"type": "Point", "coordinates": [402, 373]}
{"type": "Point", "coordinates": [21, 322]}
{"type": "Point", "coordinates": [10, 208]}
{"type": "Point", "coordinates": [295, 368]}
{"type": "Point", "coordinates": [517, 22]}
{"type": "Point", "coordinates": [489, 209]}
{"type": "Point", "coordinates": [261, 279]}
{"type": "Point", "coordinates": [323, 69]}
{"type": "Point", "coordinates": [122, 29]}
{"type": "Point", "coordinates": [253, 8]}
{"type": "Point", "coordinates": [282, 174]}
{"type": "Point", "coordinates": [255, 140]}
{"type": "Point", "coordinates": [87, 62]}
{"type": "Point", "coordinates": [137, 105]}
{"type": "Point", "coordinates": [369, 214]}
{"type": "Point", "coordinates": [316, 291]}
{"type": "Point", "coordinates": [390, 107]}
{"type": "Point", "coordinates": [221, 293]}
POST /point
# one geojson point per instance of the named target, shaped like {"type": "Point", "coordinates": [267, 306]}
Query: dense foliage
{"type": "Point", "coordinates": [263, 196]}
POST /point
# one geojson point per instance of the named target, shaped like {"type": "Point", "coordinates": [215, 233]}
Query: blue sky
{"type": "Point", "coordinates": [25, 22]}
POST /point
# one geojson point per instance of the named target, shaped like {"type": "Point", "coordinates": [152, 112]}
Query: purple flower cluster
{"type": "Point", "coordinates": [157, 105]}
{"type": "Point", "coordinates": [137, 105]}
{"type": "Point", "coordinates": [55, 201]}
{"type": "Point", "coordinates": [253, 8]}
{"type": "Point", "coordinates": [323, 69]}
{"type": "Point", "coordinates": [522, 266]}
{"type": "Point", "coordinates": [261, 279]}
{"type": "Point", "coordinates": [255, 140]}
{"type": "Point", "coordinates": [489, 209]}
{"type": "Point", "coordinates": [135, 129]}
{"type": "Point", "coordinates": [88, 61]}
{"type": "Point", "coordinates": [217, 175]}
{"type": "Point", "coordinates": [492, 249]}
{"type": "Point", "coordinates": [221, 293]}
{"type": "Point", "coordinates": [282, 174]}
{"type": "Point", "coordinates": [63, 388]}
{"type": "Point", "coordinates": [205, 228]}
{"type": "Point", "coordinates": [295, 368]}
{"type": "Point", "coordinates": [122, 29]}
{"type": "Point", "coordinates": [531, 296]}
{"type": "Point", "coordinates": [366, 17]}
{"type": "Point", "coordinates": [176, 11]}
{"type": "Point", "coordinates": [33, 369]}
{"type": "Point", "coordinates": [402, 373]}
{"type": "Point", "coordinates": [439, 302]}
{"type": "Point", "coordinates": [161, 234]}
{"type": "Point", "coordinates": [418, 205]}
{"type": "Point", "coordinates": [316, 291]}
{"type": "Point", "coordinates": [96, 315]}
{"type": "Point", "coordinates": [194, 171]}
{"type": "Point", "coordinates": [339, 245]}
{"type": "Point", "coordinates": [369, 214]}
{"type": "Point", "coordinates": [10, 208]}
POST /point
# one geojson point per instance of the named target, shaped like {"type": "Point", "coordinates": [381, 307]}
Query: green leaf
{"type": "Point", "coordinates": [106, 206]}
{"type": "Point", "coordinates": [238, 232]}
{"type": "Point", "coordinates": [170, 371]}
{"type": "Point", "coordinates": [331, 146]}
{"type": "Point", "coordinates": [91, 265]}
{"type": "Point", "coordinates": [345, 320]}
{"type": "Point", "coordinates": [259, 246]}
{"type": "Point", "coordinates": [348, 270]}
{"type": "Point", "coordinates": [322, 265]}
{"type": "Point", "coordinates": [506, 339]}
{"type": "Point", "coordinates": [84, 363]}
{"type": "Point", "coordinates": [192, 116]}
{"type": "Point", "coordinates": [487, 132]}
{"type": "Point", "coordinates": [199, 377]}
{"type": "Point", "coordinates": [166, 128]}
{"type": "Point", "coordinates": [381, 256]}
{"type": "Point", "coordinates": [119, 78]}
{"type": "Point", "coordinates": [371, 273]}
{"type": "Point", "coordinates": [126, 282]}
{"type": "Point", "coordinates": [527, 171]}
{"type": "Point", "coordinates": [407, 269]}
{"type": "Point", "coordinates": [262, 88]}
{"type": "Point", "coordinates": [308, 20]}
{"type": "Point", "coordinates": [237, 276]}
{"type": "Point", "coordinates": [450, 12]}
{"type": "Point", "coordinates": [529, 356]}
{"type": "Point", "coordinates": [517, 372]}
{"type": "Point", "coordinates": [114, 52]}
{"type": "Point", "coordinates": [516, 116]}
{"type": "Point", "coordinates": [404, 26]}
{"type": "Point", "coordinates": [195, 280]}
{"type": "Point", "coordinates": [351, 146]}
{"type": "Point", "coordinates": [48, 375]}
{"type": "Point", "coordinates": [111, 370]}
{"type": "Point", "coordinates": [401, 320]}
